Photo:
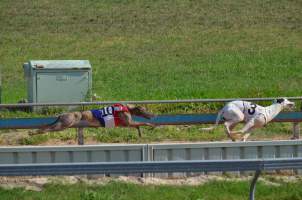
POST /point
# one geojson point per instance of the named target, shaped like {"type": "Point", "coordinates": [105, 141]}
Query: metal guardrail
{"type": "Point", "coordinates": [153, 167]}
{"type": "Point", "coordinates": [144, 102]}
{"type": "Point", "coordinates": [151, 152]}
{"type": "Point", "coordinates": [149, 167]}
{"type": "Point", "coordinates": [171, 159]}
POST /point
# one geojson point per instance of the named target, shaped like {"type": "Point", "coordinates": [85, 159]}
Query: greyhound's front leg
{"type": "Point", "coordinates": [139, 131]}
{"type": "Point", "coordinates": [134, 124]}
{"type": "Point", "coordinates": [247, 127]}
{"type": "Point", "coordinates": [137, 125]}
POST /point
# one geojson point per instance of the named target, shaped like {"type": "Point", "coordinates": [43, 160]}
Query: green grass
{"type": "Point", "coordinates": [215, 190]}
{"type": "Point", "coordinates": [159, 49]}
{"type": "Point", "coordinates": [126, 135]}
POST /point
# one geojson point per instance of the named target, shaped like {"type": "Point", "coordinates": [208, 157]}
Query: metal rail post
{"type": "Point", "coordinates": [296, 131]}
{"type": "Point", "coordinates": [253, 185]}
{"type": "Point", "coordinates": [81, 131]}
{"type": "Point", "coordinates": [80, 136]}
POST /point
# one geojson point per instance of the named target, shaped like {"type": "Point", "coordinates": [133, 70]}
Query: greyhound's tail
{"type": "Point", "coordinates": [45, 127]}
{"type": "Point", "coordinates": [218, 118]}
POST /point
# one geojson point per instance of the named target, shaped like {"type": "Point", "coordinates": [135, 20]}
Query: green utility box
{"type": "Point", "coordinates": [58, 81]}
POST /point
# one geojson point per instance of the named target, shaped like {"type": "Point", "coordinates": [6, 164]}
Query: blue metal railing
{"type": "Point", "coordinates": [181, 119]}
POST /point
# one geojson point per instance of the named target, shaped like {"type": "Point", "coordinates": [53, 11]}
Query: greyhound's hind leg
{"type": "Point", "coordinates": [229, 126]}
{"type": "Point", "coordinates": [233, 115]}
{"type": "Point", "coordinates": [64, 121]}
{"type": "Point", "coordinates": [58, 126]}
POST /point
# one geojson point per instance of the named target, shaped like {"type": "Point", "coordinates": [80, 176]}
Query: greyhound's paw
{"type": "Point", "coordinates": [152, 125]}
{"type": "Point", "coordinates": [295, 138]}
{"type": "Point", "coordinates": [244, 138]}
{"type": "Point", "coordinates": [32, 133]}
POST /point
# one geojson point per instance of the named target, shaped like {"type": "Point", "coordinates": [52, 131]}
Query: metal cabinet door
{"type": "Point", "coordinates": [62, 87]}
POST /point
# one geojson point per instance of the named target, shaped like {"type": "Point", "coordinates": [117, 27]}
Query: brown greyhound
{"type": "Point", "coordinates": [117, 115]}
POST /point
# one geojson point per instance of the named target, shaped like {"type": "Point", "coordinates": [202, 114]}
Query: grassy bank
{"type": "Point", "coordinates": [159, 49]}
{"type": "Point", "coordinates": [216, 190]}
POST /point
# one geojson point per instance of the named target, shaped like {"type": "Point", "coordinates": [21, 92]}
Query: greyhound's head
{"type": "Point", "coordinates": [285, 102]}
{"type": "Point", "coordinates": [139, 111]}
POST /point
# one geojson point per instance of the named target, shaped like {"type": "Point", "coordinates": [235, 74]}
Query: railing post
{"type": "Point", "coordinates": [253, 185]}
{"type": "Point", "coordinates": [296, 131]}
{"type": "Point", "coordinates": [80, 136]}
{"type": "Point", "coordinates": [81, 131]}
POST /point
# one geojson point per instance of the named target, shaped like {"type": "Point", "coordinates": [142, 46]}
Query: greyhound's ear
{"type": "Point", "coordinates": [280, 100]}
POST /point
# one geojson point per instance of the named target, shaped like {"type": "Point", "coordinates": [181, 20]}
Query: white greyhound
{"type": "Point", "coordinates": [255, 116]}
